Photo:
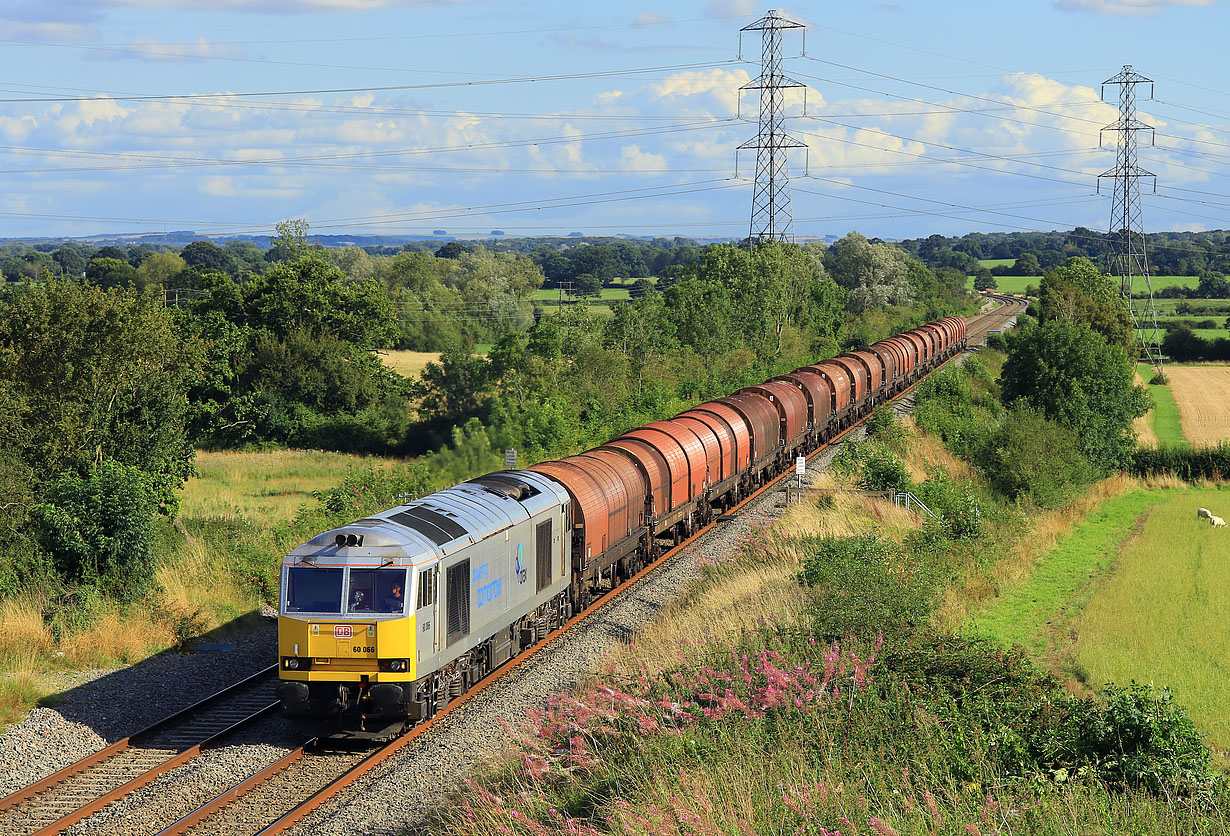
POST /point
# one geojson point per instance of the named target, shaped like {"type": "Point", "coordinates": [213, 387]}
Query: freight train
{"type": "Point", "coordinates": [386, 620]}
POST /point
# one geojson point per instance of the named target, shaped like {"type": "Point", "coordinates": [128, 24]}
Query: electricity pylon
{"type": "Point", "coordinates": [1128, 257]}
{"type": "Point", "coordinates": [771, 214]}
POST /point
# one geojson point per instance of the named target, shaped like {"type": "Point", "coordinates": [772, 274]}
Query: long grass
{"type": "Point", "coordinates": [265, 486]}
{"type": "Point", "coordinates": [1162, 615]}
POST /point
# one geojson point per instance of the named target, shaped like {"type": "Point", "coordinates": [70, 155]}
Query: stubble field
{"type": "Point", "coordinates": [1202, 394]}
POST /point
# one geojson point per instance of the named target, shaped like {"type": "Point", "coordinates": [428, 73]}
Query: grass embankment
{"type": "Point", "coordinates": [801, 688]}
{"type": "Point", "coordinates": [1161, 425]}
{"type": "Point", "coordinates": [1138, 591]}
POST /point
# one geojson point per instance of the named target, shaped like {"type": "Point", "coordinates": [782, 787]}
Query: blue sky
{"type": "Point", "coordinates": [224, 116]}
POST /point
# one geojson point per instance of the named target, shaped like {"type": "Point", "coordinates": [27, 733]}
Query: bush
{"type": "Point", "coordinates": [1030, 455]}
{"type": "Point", "coordinates": [997, 341]}
{"type": "Point", "coordinates": [883, 425]}
{"type": "Point", "coordinates": [883, 470]}
{"type": "Point", "coordinates": [1185, 462]}
{"type": "Point", "coordinates": [865, 585]}
{"type": "Point", "coordinates": [98, 529]}
{"type": "Point", "coordinates": [954, 503]}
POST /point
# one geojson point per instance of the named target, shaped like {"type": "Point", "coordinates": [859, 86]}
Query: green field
{"type": "Point", "coordinates": [1017, 284]}
{"type": "Point", "coordinates": [1138, 591]}
{"type": "Point", "coordinates": [1212, 307]}
{"type": "Point", "coordinates": [1203, 333]}
{"type": "Point", "coordinates": [1165, 414]}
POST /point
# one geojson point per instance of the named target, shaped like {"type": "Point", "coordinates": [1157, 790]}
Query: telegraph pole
{"type": "Point", "coordinates": [771, 213]}
{"type": "Point", "coordinates": [1128, 257]}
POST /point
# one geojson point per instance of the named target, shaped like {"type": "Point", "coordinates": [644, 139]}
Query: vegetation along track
{"type": "Point", "coordinates": [275, 798]}
{"type": "Point", "coordinates": [282, 794]}
{"type": "Point", "coordinates": [79, 790]}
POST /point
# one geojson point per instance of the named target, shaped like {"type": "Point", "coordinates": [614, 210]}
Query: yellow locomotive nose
{"type": "Point", "coordinates": [351, 651]}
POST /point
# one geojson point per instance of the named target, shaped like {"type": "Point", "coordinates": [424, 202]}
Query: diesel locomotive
{"type": "Point", "coordinates": [384, 621]}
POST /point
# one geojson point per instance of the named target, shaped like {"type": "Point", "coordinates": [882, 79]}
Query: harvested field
{"type": "Point", "coordinates": [1202, 393]}
{"type": "Point", "coordinates": [407, 363]}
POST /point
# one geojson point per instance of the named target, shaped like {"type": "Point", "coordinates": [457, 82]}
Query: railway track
{"type": "Point", "coordinates": [277, 797]}
{"type": "Point", "coordinates": [258, 806]}
{"type": "Point", "coordinates": [77, 791]}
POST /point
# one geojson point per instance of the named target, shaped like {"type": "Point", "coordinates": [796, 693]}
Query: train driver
{"type": "Point", "coordinates": [394, 602]}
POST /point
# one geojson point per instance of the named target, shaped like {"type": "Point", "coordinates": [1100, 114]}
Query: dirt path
{"type": "Point", "coordinates": [1203, 396]}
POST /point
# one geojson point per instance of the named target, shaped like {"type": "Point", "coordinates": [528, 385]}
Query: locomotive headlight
{"type": "Point", "coordinates": [393, 665]}
{"type": "Point", "coordinates": [290, 663]}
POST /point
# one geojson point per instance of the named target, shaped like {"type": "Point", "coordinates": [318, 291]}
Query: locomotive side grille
{"type": "Point", "coordinates": [542, 554]}
{"type": "Point", "coordinates": [458, 601]}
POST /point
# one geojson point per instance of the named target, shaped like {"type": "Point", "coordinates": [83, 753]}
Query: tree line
{"type": "Point", "coordinates": [1170, 253]}
{"type": "Point", "coordinates": [106, 389]}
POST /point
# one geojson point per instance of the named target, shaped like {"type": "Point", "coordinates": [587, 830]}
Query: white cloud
{"type": "Point", "coordinates": [17, 129]}
{"type": "Point", "coordinates": [1126, 7]}
{"type": "Point", "coordinates": [633, 158]}
{"type": "Point", "coordinates": [89, 112]}
{"type": "Point", "coordinates": [17, 30]}
{"type": "Point", "coordinates": [731, 8]}
{"type": "Point", "coordinates": [696, 91]}
{"type": "Point", "coordinates": [149, 49]}
{"type": "Point", "coordinates": [650, 19]}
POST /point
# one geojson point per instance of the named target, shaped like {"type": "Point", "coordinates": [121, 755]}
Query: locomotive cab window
{"type": "Point", "coordinates": [313, 590]}
{"type": "Point", "coordinates": [377, 590]}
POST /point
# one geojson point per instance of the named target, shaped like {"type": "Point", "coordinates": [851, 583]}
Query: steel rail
{"type": "Point", "coordinates": [132, 742]}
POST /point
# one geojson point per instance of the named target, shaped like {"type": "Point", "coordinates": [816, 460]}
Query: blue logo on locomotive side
{"type": "Point", "coordinates": [521, 573]}
{"type": "Point", "coordinates": [484, 592]}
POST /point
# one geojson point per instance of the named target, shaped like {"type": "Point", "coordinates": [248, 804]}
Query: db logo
{"type": "Point", "coordinates": [343, 631]}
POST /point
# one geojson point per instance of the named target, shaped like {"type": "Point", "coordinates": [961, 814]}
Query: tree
{"type": "Point", "coordinates": [1080, 293]}
{"type": "Point", "coordinates": [98, 529]}
{"type": "Point", "coordinates": [587, 284]}
{"type": "Point", "coordinates": [102, 374]}
{"type": "Point", "coordinates": [159, 269]}
{"type": "Point", "coordinates": [1071, 374]}
{"type": "Point", "coordinates": [984, 280]}
{"type": "Point", "coordinates": [309, 295]}
{"type": "Point", "coordinates": [453, 249]}
{"type": "Point", "coordinates": [1213, 285]}
{"type": "Point", "coordinates": [876, 274]}
{"type": "Point", "coordinates": [206, 255]}
{"type": "Point", "coordinates": [289, 240]}
{"type": "Point", "coordinates": [71, 261]}
{"type": "Point", "coordinates": [110, 272]}
{"type": "Point", "coordinates": [1027, 265]}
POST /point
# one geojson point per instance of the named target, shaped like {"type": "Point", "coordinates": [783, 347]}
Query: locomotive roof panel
{"type": "Point", "coordinates": [439, 523]}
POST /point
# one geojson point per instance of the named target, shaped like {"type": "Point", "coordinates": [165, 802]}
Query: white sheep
{"type": "Point", "coordinates": [1204, 514]}
{"type": "Point", "coordinates": [1218, 522]}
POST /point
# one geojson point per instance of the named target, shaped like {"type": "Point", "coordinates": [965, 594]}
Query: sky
{"type": "Point", "coordinates": [401, 117]}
